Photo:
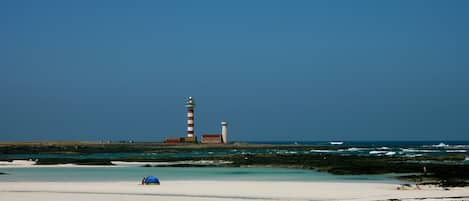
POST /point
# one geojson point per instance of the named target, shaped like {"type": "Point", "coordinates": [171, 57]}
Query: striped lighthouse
{"type": "Point", "coordinates": [190, 105]}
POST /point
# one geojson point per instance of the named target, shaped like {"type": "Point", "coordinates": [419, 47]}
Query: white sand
{"type": "Point", "coordinates": [212, 190]}
{"type": "Point", "coordinates": [17, 163]}
{"type": "Point", "coordinates": [31, 163]}
{"type": "Point", "coordinates": [217, 190]}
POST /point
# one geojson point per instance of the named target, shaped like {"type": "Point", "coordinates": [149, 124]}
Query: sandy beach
{"type": "Point", "coordinates": [220, 190]}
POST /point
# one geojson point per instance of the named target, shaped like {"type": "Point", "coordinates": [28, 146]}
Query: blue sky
{"type": "Point", "coordinates": [275, 70]}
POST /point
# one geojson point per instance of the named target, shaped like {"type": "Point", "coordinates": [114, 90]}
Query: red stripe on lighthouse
{"type": "Point", "coordinates": [190, 117]}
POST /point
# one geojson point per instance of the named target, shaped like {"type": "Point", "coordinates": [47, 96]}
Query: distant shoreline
{"type": "Point", "coordinates": [447, 170]}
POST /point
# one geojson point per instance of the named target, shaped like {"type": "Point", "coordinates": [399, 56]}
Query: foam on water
{"type": "Point", "coordinates": [440, 145]}
{"type": "Point", "coordinates": [456, 151]}
{"type": "Point", "coordinates": [321, 151]}
{"type": "Point", "coordinates": [378, 152]}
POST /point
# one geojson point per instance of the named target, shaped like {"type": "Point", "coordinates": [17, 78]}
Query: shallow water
{"type": "Point", "coordinates": [136, 173]}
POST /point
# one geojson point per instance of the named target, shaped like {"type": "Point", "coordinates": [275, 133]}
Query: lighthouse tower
{"type": "Point", "coordinates": [190, 105]}
{"type": "Point", "coordinates": [224, 131]}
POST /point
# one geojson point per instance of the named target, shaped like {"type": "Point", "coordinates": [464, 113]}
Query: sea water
{"type": "Point", "coordinates": [379, 148]}
{"type": "Point", "coordinates": [136, 173]}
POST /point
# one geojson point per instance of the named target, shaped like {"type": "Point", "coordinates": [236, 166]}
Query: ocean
{"type": "Point", "coordinates": [134, 172]}
{"type": "Point", "coordinates": [361, 148]}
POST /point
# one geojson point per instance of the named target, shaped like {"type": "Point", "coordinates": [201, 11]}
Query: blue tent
{"type": "Point", "coordinates": [151, 180]}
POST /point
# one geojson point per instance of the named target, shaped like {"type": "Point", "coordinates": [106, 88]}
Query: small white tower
{"type": "Point", "coordinates": [224, 131]}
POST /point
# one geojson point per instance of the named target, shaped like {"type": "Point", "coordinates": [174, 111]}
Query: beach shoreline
{"type": "Point", "coordinates": [222, 190]}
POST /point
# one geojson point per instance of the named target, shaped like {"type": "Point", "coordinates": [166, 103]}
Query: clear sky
{"type": "Point", "coordinates": [275, 70]}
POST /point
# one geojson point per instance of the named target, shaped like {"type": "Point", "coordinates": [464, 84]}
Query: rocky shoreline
{"type": "Point", "coordinates": [434, 172]}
